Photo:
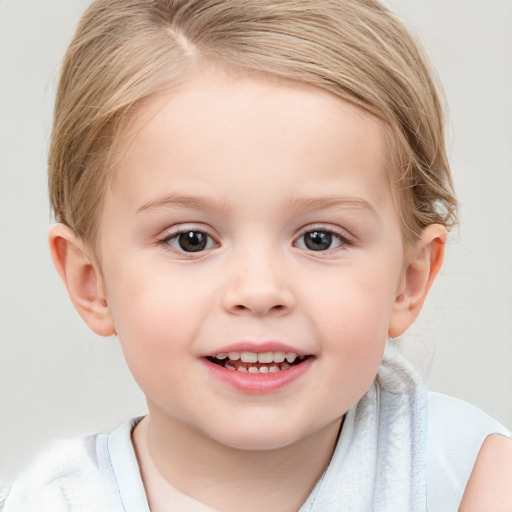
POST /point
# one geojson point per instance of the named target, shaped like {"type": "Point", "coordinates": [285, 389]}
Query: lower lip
{"type": "Point", "coordinates": [258, 383]}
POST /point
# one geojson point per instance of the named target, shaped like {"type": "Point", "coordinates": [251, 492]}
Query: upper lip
{"type": "Point", "coordinates": [257, 347]}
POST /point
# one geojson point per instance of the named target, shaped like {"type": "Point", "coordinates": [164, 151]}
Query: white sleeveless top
{"type": "Point", "coordinates": [401, 451]}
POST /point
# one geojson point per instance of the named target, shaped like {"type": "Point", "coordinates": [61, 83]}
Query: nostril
{"type": "Point", "coordinates": [260, 309]}
{"type": "Point", "coordinates": [258, 300]}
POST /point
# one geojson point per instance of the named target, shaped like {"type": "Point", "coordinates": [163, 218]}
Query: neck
{"type": "Point", "coordinates": [223, 477]}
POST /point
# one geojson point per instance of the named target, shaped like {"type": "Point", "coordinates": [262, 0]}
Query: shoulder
{"type": "Point", "coordinates": [490, 484]}
{"type": "Point", "coordinates": [451, 412]}
{"type": "Point", "coordinates": [454, 424]}
{"type": "Point", "coordinates": [457, 428]}
{"type": "Point", "coordinates": [457, 434]}
{"type": "Point", "coordinates": [67, 474]}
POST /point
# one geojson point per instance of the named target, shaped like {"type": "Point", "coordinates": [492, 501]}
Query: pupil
{"type": "Point", "coordinates": [318, 240]}
{"type": "Point", "coordinates": [193, 241]}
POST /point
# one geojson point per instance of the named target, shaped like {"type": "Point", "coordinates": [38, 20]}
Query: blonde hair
{"type": "Point", "coordinates": [127, 50]}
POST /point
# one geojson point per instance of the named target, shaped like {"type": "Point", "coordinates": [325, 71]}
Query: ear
{"type": "Point", "coordinates": [82, 278]}
{"type": "Point", "coordinates": [423, 261]}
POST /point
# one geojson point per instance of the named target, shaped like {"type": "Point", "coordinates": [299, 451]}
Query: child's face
{"type": "Point", "coordinates": [249, 216]}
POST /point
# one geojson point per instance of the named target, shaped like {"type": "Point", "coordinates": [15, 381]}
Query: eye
{"type": "Point", "coordinates": [190, 241]}
{"type": "Point", "coordinates": [320, 240]}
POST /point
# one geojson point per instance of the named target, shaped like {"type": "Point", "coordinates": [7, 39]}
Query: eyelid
{"type": "Point", "coordinates": [342, 234]}
{"type": "Point", "coordinates": [179, 229]}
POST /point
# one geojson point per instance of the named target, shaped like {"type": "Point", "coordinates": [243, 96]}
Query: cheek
{"type": "Point", "coordinates": [354, 307]}
{"type": "Point", "coordinates": [149, 301]}
{"type": "Point", "coordinates": [352, 324]}
{"type": "Point", "coordinates": [156, 322]}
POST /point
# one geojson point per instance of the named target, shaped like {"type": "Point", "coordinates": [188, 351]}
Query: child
{"type": "Point", "coordinates": [254, 197]}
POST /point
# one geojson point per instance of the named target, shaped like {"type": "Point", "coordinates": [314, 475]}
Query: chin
{"type": "Point", "coordinates": [259, 437]}
{"type": "Point", "coordinates": [259, 444]}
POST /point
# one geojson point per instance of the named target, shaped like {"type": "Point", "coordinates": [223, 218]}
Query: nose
{"type": "Point", "coordinates": [257, 286]}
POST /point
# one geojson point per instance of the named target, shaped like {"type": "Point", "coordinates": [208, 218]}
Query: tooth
{"type": "Point", "coordinates": [249, 357]}
{"type": "Point", "coordinates": [279, 357]}
{"type": "Point", "coordinates": [234, 356]}
{"type": "Point", "coordinates": [285, 366]}
{"type": "Point", "coordinates": [290, 357]}
{"type": "Point", "coordinates": [229, 367]}
{"type": "Point", "coordinates": [253, 369]}
{"type": "Point", "coordinates": [221, 355]}
{"type": "Point", "coordinates": [265, 357]}
{"type": "Point", "coordinates": [242, 369]}
{"type": "Point", "coordinates": [263, 369]}
{"type": "Point", "coordinates": [274, 369]}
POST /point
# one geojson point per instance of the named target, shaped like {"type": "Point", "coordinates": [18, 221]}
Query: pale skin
{"type": "Point", "coordinates": [255, 171]}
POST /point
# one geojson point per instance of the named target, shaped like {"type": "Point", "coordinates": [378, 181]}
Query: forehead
{"type": "Point", "coordinates": [221, 126]}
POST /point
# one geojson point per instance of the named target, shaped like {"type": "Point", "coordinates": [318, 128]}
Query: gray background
{"type": "Point", "coordinates": [58, 379]}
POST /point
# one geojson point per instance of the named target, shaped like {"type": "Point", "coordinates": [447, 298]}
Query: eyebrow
{"type": "Point", "coordinates": [297, 204]}
{"type": "Point", "coordinates": [177, 201]}
{"type": "Point", "coordinates": [333, 202]}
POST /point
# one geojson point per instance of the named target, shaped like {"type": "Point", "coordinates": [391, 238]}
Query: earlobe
{"type": "Point", "coordinates": [82, 279]}
{"type": "Point", "coordinates": [423, 262]}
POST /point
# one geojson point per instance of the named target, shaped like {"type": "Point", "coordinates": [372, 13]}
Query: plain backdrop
{"type": "Point", "coordinates": [58, 379]}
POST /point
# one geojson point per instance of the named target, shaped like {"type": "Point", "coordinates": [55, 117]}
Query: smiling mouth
{"type": "Point", "coordinates": [252, 362]}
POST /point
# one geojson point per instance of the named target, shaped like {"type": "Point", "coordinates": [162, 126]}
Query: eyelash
{"type": "Point", "coordinates": [176, 235]}
{"type": "Point", "coordinates": [343, 240]}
